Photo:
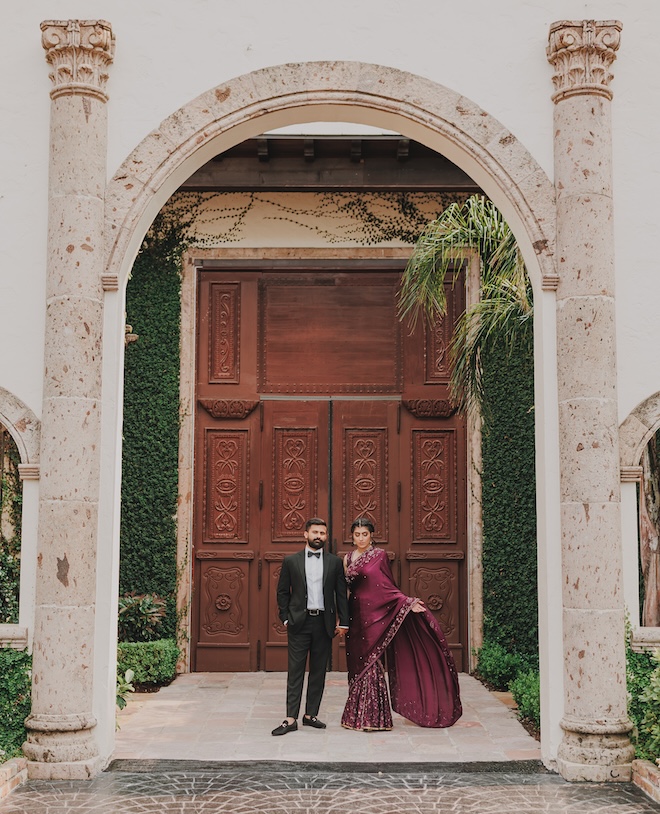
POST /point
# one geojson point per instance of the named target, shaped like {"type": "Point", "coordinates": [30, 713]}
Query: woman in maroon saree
{"type": "Point", "coordinates": [422, 675]}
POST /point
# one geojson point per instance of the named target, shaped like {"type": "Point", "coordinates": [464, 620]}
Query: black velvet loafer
{"type": "Point", "coordinates": [285, 727]}
{"type": "Point", "coordinates": [312, 720]}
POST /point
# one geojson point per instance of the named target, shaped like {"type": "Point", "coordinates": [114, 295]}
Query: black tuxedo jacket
{"type": "Point", "coordinates": [292, 592]}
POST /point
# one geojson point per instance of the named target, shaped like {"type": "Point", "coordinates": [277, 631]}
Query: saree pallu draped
{"type": "Point", "coordinates": [423, 680]}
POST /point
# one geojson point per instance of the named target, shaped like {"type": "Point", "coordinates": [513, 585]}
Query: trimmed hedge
{"type": "Point", "coordinates": [15, 687]}
{"type": "Point", "coordinates": [526, 692]}
{"type": "Point", "coordinates": [151, 662]}
{"type": "Point", "coordinates": [497, 667]}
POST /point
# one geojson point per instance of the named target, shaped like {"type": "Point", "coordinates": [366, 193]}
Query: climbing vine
{"type": "Point", "coordinates": [11, 506]}
{"type": "Point", "coordinates": [151, 413]}
{"type": "Point", "coordinates": [366, 219]}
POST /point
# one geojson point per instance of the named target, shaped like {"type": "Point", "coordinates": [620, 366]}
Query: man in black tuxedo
{"type": "Point", "coordinates": [311, 593]}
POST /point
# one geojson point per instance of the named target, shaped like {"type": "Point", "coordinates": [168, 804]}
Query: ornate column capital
{"type": "Point", "coordinates": [80, 52]}
{"type": "Point", "coordinates": [581, 52]}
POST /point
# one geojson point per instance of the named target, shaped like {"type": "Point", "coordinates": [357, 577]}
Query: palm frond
{"type": "Point", "coordinates": [505, 309]}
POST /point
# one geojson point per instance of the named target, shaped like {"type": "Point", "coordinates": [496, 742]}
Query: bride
{"type": "Point", "coordinates": [423, 681]}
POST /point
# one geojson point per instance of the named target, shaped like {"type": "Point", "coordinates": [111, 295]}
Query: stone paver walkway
{"type": "Point", "coordinates": [229, 716]}
{"type": "Point", "coordinates": [203, 746]}
{"type": "Point", "coordinates": [253, 790]}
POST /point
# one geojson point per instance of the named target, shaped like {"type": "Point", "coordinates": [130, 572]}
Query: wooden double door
{"type": "Point", "coordinates": [313, 400]}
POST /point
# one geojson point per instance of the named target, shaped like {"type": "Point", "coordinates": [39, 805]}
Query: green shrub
{"type": "Point", "coordinates": [15, 677]}
{"type": "Point", "coordinates": [151, 662]}
{"type": "Point", "coordinates": [640, 668]}
{"type": "Point", "coordinates": [497, 667]}
{"type": "Point", "coordinates": [140, 616]}
{"type": "Point", "coordinates": [526, 691]}
{"type": "Point", "coordinates": [648, 735]}
{"type": "Point", "coordinates": [124, 687]}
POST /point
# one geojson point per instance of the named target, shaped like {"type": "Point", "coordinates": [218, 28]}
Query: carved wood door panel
{"type": "Point", "coordinates": [295, 476]}
{"type": "Point", "coordinates": [365, 463]}
{"type": "Point", "coordinates": [433, 516]}
{"type": "Point", "coordinates": [225, 552]}
{"type": "Point", "coordinates": [312, 400]}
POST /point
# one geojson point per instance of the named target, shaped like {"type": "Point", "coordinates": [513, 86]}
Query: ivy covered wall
{"type": "Point", "coordinates": [11, 507]}
{"type": "Point", "coordinates": [509, 501]}
{"type": "Point", "coordinates": [151, 420]}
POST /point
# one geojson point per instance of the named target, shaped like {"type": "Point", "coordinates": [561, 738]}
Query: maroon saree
{"type": "Point", "coordinates": [422, 674]}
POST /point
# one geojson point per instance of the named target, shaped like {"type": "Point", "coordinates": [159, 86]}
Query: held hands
{"type": "Point", "coordinates": [418, 606]}
{"type": "Point", "coordinates": [340, 631]}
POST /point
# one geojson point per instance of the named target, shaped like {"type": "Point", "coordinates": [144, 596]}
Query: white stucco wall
{"type": "Point", "coordinates": [169, 52]}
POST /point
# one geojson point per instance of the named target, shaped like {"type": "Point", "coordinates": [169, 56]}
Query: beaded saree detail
{"type": "Point", "coordinates": [422, 675]}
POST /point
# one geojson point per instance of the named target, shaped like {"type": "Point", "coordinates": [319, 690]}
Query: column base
{"type": "Point", "coordinates": [596, 752]}
{"type": "Point", "coordinates": [61, 747]}
{"type": "Point", "coordinates": [72, 770]}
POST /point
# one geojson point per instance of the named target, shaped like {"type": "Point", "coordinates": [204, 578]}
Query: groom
{"type": "Point", "coordinates": [311, 593]}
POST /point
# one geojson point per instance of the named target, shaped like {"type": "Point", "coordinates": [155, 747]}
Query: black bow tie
{"type": "Point", "coordinates": [313, 553]}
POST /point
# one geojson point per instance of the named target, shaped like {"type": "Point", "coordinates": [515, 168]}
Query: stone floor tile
{"type": "Point", "coordinates": [224, 720]}
{"type": "Point", "coordinates": [249, 790]}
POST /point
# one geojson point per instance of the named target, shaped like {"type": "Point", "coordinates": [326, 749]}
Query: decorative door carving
{"type": "Point", "coordinates": [312, 399]}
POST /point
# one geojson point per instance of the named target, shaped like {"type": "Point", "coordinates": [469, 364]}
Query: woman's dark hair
{"type": "Point", "coordinates": [362, 521]}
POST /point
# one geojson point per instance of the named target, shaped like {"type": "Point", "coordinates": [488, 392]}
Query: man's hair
{"type": "Point", "coordinates": [315, 521]}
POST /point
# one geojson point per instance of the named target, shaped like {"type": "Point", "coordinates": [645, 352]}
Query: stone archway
{"type": "Point", "coordinates": [331, 91]}
{"type": "Point", "coordinates": [637, 429]}
{"type": "Point", "coordinates": [25, 429]}
{"type": "Point", "coordinates": [23, 426]}
{"type": "Point", "coordinates": [374, 95]}
{"type": "Point", "coordinates": [635, 432]}
{"type": "Point", "coordinates": [74, 738]}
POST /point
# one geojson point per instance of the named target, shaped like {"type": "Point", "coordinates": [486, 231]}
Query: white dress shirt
{"type": "Point", "coordinates": [314, 577]}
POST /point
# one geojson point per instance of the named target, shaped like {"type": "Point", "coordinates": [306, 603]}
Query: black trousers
{"type": "Point", "coordinates": [312, 639]}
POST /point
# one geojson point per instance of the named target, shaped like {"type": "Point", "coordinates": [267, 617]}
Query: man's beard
{"type": "Point", "coordinates": [315, 544]}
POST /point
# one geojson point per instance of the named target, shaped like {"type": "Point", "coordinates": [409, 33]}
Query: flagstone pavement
{"type": "Point", "coordinates": [203, 745]}
{"type": "Point", "coordinates": [229, 716]}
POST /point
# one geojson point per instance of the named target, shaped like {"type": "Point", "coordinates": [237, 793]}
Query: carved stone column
{"type": "Point", "coordinates": [60, 741]}
{"type": "Point", "coordinates": [595, 743]}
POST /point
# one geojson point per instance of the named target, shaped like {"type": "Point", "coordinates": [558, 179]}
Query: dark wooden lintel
{"type": "Point", "coordinates": [325, 164]}
{"type": "Point", "coordinates": [262, 149]}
